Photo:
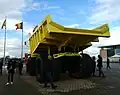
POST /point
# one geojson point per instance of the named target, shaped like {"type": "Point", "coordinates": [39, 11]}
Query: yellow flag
{"type": "Point", "coordinates": [4, 24]}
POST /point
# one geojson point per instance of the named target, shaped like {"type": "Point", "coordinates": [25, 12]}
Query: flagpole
{"type": "Point", "coordinates": [4, 46]}
{"type": "Point", "coordinates": [22, 45]}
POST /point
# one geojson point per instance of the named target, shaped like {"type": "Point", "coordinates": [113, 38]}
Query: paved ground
{"type": "Point", "coordinates": [27, 85]}
{"type": "Point", "coordinates": [20, 87]}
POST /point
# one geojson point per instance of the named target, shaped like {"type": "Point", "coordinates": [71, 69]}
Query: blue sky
{"type": "Point", "coordinates": [72, 13]}
{"type": "Point", "coordinates": [64, 12]}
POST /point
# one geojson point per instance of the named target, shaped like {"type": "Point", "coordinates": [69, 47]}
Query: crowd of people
{"type": "Point", "coordinates": [100, 65]}
{"type": "Point", "coordinates": [11, 64]}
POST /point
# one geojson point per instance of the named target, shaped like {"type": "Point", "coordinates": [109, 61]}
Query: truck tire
{"type": "Point", "coordinates": [38, 63]}
{"type": "Point", "coordinates": [32, 67]}
{"type": "Point", "coordinates": [56, 70]}
{"type": "Point", "coordinates": [86, 66]}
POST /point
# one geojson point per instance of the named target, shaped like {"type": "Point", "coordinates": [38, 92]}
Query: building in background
{"type": "Point", "coordinates": [108, 51]}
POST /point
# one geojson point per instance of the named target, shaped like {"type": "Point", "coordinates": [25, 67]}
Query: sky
{"type": "Point", "coordinates": [72, 13]}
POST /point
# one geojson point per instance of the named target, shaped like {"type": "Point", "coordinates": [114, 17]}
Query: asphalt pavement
{"type": "Point", "coordinates": [20, 87]}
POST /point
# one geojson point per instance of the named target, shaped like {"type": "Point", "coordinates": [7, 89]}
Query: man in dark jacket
{"type": "Point", "coordinates": [20, 67]}
{"type": "Point", "coordinates": [108, 63]}
{"type": "Point", "coordinates": [94, 66]}
{"type": "Point", "coordinates": [1, 65]}
{"type": "Point", "coordinates": [47, 69]}
{"type": "Point", "coordinates": [100, 65]}
{"type": "Point", "coordinates": [11, 70]}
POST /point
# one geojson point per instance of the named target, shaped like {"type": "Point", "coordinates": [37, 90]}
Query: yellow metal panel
{"type": "Point", "coordinates": [30, 41]}
{"type": "Point", "coordinates": [35, 55]}
{"type": "Point", "coordinates": [49, 42]}
{"type": "Point", "coordinates": [37, 37]}
{"type": "Point", "coordinates": [34, 41]}
{"type": "Point", "coordinates": [43, 32]}
{"type": "Point", "coordinates": [39, 34]}
{"type": "Point", "coordinates": [30, 46]}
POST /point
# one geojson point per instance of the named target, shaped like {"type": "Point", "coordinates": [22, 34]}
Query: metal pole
{"type": "Point", "coordinates": [22, 45]}
{"type": "Point", "coordinates": [4, 46]}
{"type": "Point", "coordinates": [21, 48]}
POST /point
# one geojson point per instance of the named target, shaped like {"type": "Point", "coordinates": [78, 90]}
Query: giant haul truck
{"type": "Point", "coordinates": [50, 38]}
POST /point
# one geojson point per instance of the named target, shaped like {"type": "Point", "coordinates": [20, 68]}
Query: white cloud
{"type": "Point", "coordinates": [13, 10]}
{"type": "Point", "coordinates": [41, 6]}
{"type": "Point", "coordinates": [73, 26]}
{"type": "Point", "coordinates": [113, 40]}
{"type": "Point", "coordinates": [13, 47]}
{"type": "Point", "coordinates": [105, 11]}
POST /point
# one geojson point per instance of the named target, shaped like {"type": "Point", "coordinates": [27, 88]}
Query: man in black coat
{"type": "Point", "coordinates": [108, 63]}
{"type": "Point", "coordinates": [11, 71]}
{"type": "Point", "coordinates": [100, 65]}
{"type": "Point", "coordinates": [20, 66]}
{"type": "Point", "coordinates": [94, 66]}
{"type": "Point", "coordinates": [1, 65]}
{"type": "Point", "coordinates": [48, 72]}
{"type": "Point", "coordinates": [47, 69]}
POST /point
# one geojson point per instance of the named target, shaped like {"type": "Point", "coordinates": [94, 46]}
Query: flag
{"type": "Point", "coordinates": [4, 24]}
{"type": "Point", "coordinates": [19, 26]}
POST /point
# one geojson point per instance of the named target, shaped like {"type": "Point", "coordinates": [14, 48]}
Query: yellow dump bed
{"type": "Point", "coordinates": [49, 33]}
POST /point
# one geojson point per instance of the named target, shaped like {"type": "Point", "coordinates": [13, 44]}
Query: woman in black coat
{"type": "Point", "coordinates": [11, 71]}
{"type": "Point", "coordinates": [100, 65]}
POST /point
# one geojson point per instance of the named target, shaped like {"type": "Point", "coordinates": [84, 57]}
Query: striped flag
{"type": "Point", "coordinates": [4, 24]}
{"type": "Point", "coordinates": [19, 26]}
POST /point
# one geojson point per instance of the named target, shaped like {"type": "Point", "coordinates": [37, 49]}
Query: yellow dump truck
{"type": "Point", "coordinates": [64, 43]}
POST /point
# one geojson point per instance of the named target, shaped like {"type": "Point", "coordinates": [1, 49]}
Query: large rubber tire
{"type": "Point", "coordinates": [86, 64]}
{"type": "Point", "coordinates": [78, 67]}
{"type": "Point", "coordinates": [38, 66]}
{"type": "Point", "coordinates": [32, 66]}
{"type": "Point", "coordinates": [56, 65]}
{"type": "Point", "coordinates": [73, 66]}
{"type": "Point", "coordinates": [70, 64]}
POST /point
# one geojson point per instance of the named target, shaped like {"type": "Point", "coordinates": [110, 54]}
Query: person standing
{"type": "Point", "coordinates": [11, 71]}
{"type": "Point", "coordinates": [47, 69]}
{"type": "Point", "coordinates": [20, 67]}
{"type": "Point", "coordinates": [108, 63]}
{"type": "Point", "coordinates": [1, 65]}
{"type": "Point", "coordinates": [94, 66]}
{"type": "Point", "coordinates": [100, 65]}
